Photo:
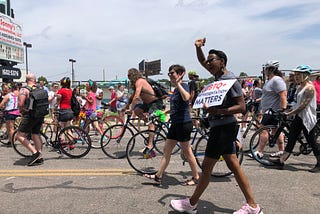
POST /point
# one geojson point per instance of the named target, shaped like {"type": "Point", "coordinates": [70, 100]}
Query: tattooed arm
{"type": "Point", "coordinates": [307, 97]}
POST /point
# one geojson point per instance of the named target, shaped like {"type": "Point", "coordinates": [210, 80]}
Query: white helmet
{"type": "Point", "coordinates": [272, 63]}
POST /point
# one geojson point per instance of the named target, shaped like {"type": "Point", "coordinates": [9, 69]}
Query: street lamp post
{"type": "Point", "coordinates": [27, 45]}
{"type": "Point", "coordinates": [72, 70]}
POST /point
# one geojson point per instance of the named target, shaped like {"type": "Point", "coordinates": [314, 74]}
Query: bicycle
{"type": "Point", "coordinates": [147, 162]}
{"type": "Point", "coordinates": [273, 132]}
{"type": "Point", "coordinates": [115, 138]}
{"type": "Point", "coordinates": [220, 169]}
{"type": "Point", "coordinates": [251, 126]}
{"type": "Point", "coordinates": [3, 128]}
{"type": "Point", "coordinates": [72, 141]}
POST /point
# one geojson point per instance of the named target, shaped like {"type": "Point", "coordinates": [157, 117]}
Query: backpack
{"type": "Point", "coordinates": [75, 105]}
{"type": "Point", "coordinates": [159, 89]}
{"type": "Point", "coordinates": [37, 103]}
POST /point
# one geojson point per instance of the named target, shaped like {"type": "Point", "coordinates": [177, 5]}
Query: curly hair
{"type": "Point", "coordinates": [133, 75]}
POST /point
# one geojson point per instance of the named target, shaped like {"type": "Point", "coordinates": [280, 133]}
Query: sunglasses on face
{"type": "Point", "coordinates": [212, 60]}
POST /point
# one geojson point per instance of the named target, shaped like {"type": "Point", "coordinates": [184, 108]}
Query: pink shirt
{"type": "Point", "coordinates": [316, 84]}
{"type": "Point", "coordinates": [92, 106]}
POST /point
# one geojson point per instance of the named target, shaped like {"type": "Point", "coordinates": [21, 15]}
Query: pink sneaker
{"type": "Point", "coordinates": [183, 205]}
{"type": "Point", "coordinates": [246, 209]}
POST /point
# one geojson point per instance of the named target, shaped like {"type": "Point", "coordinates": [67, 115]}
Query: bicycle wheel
{"type": "Point", "coordinates": [270, 147]}
{"type": "Point", "coordinates": [114, 141]}
{"type": "Point", "coordinates": [140, 159]}
{"type": "Point", "coordinates": [93, 132]}
{"type": "Point", "coordinates": [74, 142]}
{"type": "Point", "coordinates": [21, 149]}
{"type": "Point", "coordinates": [220, 168]}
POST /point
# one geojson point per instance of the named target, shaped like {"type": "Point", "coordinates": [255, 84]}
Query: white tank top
{"type": "Point", "coordinates": [309, 114]}
{"type": "Point", "coordinates": [12, 102]}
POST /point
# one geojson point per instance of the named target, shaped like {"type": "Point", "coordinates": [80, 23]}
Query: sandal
{"type": "Point", "coordinates": [190, 182]}
{"type": "Point", "coordinates": [153, 177]}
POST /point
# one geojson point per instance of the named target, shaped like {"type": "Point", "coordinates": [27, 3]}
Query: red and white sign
{"type": "Point", "coordinates": [11, 45]}
{"type": "Point", "coordinates": [214, 93]}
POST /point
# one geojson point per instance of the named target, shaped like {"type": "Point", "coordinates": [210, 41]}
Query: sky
{"type": "Point", "coordinates": [107, 37]}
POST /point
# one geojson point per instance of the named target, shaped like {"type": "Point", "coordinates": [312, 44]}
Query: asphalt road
{"type": "Point", "coordinates": [98, 184]}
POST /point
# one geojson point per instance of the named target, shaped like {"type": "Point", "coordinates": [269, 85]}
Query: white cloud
{"type": "Point", "coordinates": [116, 35]}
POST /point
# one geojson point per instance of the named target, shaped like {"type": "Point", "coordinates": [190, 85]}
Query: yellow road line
{"type": "Point", "coordinates": [65, 172]}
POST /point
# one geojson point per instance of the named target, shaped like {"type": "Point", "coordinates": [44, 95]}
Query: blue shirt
{"type": "Point", "coordinates": [179, 109]}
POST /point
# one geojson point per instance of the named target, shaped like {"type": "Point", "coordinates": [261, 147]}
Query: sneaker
{"type": "Point", "coordinates": [144, 150]}
{"type": "Point", "coordinates": [38, 162]}
{"type": "Point", "coordinates": [183, 205]}
{"type": "Point", "coordinates": [316, 169]}
{"type": "Point", "coordinates": [276, 154]}
{"type": "Point", "coordinates": [147, 153]}
{"type": "Point", "coordinates": [34, 158]}
{"type": "Point", "coordinates": [257, 153]}
{"type": "Point", "coordinates": [152, 154]}
{"type": "Point", "coordinates": [246, 209]}
{"type": "Point", "coordinates": [104, 139]}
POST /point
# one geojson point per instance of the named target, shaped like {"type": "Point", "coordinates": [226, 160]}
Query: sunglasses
{"type": "Point", "coordinates": [212, 60]}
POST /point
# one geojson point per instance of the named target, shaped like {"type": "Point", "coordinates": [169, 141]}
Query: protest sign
{"type": "Point", "coordinates": [214, 93]}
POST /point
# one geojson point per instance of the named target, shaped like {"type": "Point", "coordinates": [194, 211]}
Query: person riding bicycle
{"type": "Point", "coordinates": [63, 103]}
{"type": "Point", "coordinates": [305, 116]}
{"type": "Point", "coordinates": [90, 105]}
{"type": "Point", "coordinates": [10, 105]}
{"type": "Point", "coordinates": [142, 89]}
{"type": "Point", "coordinates": [274, 96]}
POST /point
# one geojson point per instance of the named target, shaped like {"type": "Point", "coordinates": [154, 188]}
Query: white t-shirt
{"type": "Point", "coordinates": [50, 95]}
{"type": "Point", "coordinates": [98, 102]}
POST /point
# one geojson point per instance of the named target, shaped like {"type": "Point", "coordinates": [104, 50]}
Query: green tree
{"type": "Point", "coordinates": [243, 74]}
{"type": "Point", "coordinates": [44, 79]}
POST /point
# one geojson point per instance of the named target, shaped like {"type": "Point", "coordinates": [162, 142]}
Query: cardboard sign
{"type": "Point", "coordinates": [214, 93]}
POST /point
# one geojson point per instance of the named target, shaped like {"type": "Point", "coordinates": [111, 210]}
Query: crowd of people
{"type": "Point", "coordinates": [297, 96]}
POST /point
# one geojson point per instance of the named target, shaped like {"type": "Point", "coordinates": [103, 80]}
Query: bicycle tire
{"type": "Point", "coordinates": [220, 168]}
{"type": "Point", "coordinates": [20, 148]}
{"type": "Point", "coordinates": [94, 134]}
{"type": "Point", "coordinates": [141, 161]}
{"type": "Point", "coordinates": [76, 142]}
{"type": "Point", "coordinates": [269, 148]}
{"type": "Point", "coordinates": [246, 134]}
{"type": "Point", "coordinates": [114, 141]}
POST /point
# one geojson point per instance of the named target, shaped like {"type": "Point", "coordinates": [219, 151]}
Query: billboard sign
{"type": "Point", "coordinates": [10, 72]}
{"type": "Point", "coordinates": [153, 67]}
{"type": "Point", "coordinates": [11, 46]}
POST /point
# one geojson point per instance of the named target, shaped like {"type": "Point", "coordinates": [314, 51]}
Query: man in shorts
{"type": "Point", "coordinates": [150, 102]}
{"type": "Point", "coordinates": [29, 124]}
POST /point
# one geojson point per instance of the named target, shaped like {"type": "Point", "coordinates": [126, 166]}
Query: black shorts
{"type": "Point", "coordinates": [180, 132]}
{"type": "Point", "coordinates": [222, 140]}
{"type": "Point", "coordinates": [10, 116]}
{"type": "Point", "coordinates": [151, 107]}
{"type": "Point", "coordinates": [269, 120]}
{"type": "Point", "coordinates": [32, 125]}
{"type": "Point", "coordinates": [65, 115]}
